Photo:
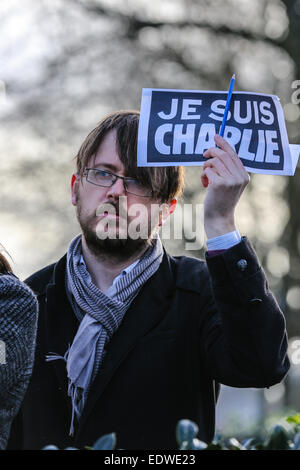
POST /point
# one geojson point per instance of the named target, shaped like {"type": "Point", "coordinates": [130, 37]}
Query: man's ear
{"type": "Point", "coordinates": [167, 209]}
{"type": "Point", "coordinates": [74, 188]}
{"type": "Point", "coordinates": [173, 205]}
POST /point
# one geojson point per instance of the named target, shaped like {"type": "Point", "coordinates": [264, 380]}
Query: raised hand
{"type": "Point", "coordinates": [226, 178]}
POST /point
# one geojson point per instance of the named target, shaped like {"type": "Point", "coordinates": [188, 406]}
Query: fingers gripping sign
{"type": "Point", "coordinates": [226, 178]}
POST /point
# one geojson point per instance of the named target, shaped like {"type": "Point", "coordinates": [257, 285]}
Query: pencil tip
{"type": "Point", "coordinates": [233, 76]}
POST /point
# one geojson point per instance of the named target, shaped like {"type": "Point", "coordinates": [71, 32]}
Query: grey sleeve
{"type": "Point", "coordinates": [18, 325]}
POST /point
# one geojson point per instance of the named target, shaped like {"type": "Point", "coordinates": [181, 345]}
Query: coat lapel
{"type": "Point", "coordinates": [61, 323]}
{"type": "Point", "coordinates": [145, 312]}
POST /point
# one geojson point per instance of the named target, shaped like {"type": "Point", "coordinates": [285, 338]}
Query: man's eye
{"type": "Point", "coordinates": [101, 173]}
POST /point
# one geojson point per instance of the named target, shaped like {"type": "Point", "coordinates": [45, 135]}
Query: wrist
{"type": "Point", "coordinates": [216, 227]}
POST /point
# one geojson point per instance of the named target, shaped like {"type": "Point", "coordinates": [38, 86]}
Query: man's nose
{"type": "Point", "coordinates": [117, 189]}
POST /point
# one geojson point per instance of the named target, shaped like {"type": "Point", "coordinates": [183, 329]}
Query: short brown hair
{"type": "Point", "coordinates": [165, 183]}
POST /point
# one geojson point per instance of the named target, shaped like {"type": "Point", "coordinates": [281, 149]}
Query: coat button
{"type": "Point", "coordinates": [242, 264]}
{"type": "Point", "coordinates": [255, 301]}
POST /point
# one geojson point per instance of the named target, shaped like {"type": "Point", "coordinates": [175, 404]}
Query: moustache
{"type": "Point", "coordinates": [109, 208]}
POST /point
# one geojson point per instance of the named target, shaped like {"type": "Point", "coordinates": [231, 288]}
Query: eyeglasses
{"type": "Point", "coordinates": [105, 178]}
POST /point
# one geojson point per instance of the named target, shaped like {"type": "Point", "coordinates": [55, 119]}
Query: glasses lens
{"type": "Point", "coordinates": [105, 178]}
{"type": "Point", "coordinates": [100, 177]}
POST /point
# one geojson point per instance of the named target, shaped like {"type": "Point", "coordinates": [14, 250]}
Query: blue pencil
{"type": "Point", "coordinates": [227, 105]}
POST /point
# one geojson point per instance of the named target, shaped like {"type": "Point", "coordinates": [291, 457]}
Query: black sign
{"type": "Point", "coordinates": [177, 126]}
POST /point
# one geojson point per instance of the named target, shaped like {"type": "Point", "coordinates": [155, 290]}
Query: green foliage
{"type": "Point", "coordinates": [186, 432]}
{"type": "Point", "coordinates": [107, 442]}
{"type": "Point", "coordinates": [278, 438]}
{"type": "Point", "coordinates": [295, 419]}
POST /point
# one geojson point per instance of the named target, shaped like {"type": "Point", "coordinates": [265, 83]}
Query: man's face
{"type": "Point", "coordinates": [113, 222]}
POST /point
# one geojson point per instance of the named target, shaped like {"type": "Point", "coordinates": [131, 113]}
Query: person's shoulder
{"type": "Point", "coordinates": [191, 273]}
{"type": "Point", "coordinates": [12, 289]}
{"type": "Point", "coordinates": [39, 280]}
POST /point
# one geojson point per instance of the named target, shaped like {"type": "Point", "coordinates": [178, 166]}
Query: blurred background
{"type": "Point", "coordinates": [66, 63]}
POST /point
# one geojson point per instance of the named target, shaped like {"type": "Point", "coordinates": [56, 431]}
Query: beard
{"type": "Point", "coordinates": [117, 248]}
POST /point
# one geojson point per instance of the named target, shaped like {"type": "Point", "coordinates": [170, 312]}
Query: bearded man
{"type": "Point", "coordinates": [130, 339]}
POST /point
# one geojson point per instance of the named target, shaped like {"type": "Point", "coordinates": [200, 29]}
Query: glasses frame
{"type": "Point", "coordinates": [115, 178]}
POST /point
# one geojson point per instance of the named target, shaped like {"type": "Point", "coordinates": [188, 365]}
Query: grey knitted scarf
{"type": "Point", "coordinates": [100, 317]}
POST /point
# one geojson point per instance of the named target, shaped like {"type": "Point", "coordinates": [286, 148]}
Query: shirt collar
{"type": "Point", "coordinates": [124, 271]}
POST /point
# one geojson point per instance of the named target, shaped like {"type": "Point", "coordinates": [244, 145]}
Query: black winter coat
{"type": "Point", "coordinates": [192, 326]}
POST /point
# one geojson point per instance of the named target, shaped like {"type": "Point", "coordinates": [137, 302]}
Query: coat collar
{"type": "Point", "coordinates": [61, 322]}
